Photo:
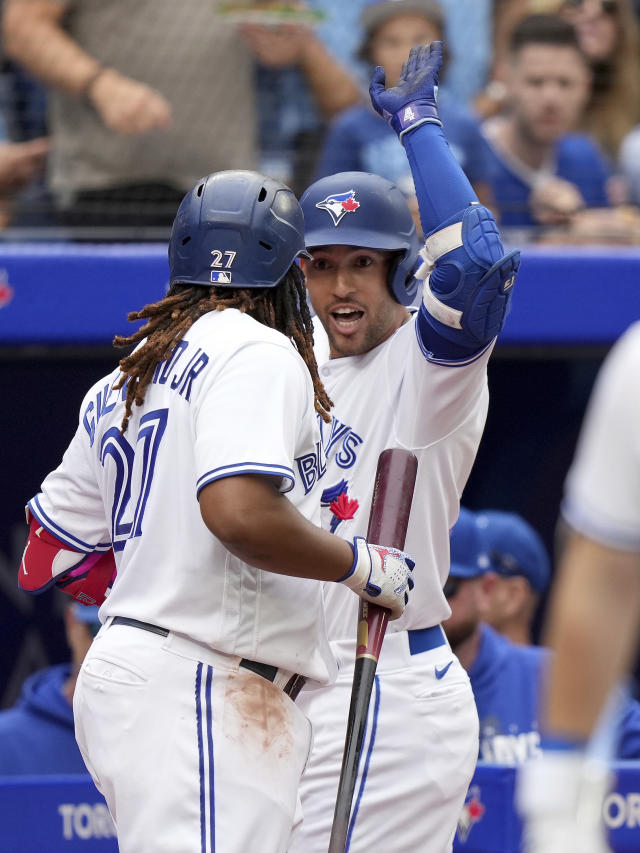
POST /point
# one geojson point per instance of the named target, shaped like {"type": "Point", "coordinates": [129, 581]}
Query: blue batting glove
{"type": "Point", "coordinates": [413, 101]}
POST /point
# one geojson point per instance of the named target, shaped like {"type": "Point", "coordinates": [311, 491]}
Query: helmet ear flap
{"type": "Point", "coordinates": [401, 279]}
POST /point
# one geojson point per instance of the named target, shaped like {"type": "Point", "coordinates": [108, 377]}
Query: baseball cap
{"type": "Point", "coordinates": [376, 12]}
{"type": "Point", "coordinates": [514, 548]}
{"type": "Point", "coordinates": [468, 556]}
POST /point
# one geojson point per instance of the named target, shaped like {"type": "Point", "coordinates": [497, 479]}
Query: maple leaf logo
{"type": "Point", "coordinates": [343, 507]}
{"type": "Point", "coordinates": [350, 204]}
{"type": "Point", "coordinates": [472, 812]}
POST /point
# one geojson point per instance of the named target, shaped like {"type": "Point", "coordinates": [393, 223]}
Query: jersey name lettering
{"type": "Point", "coordinates": [181, 380]}
{"type": "Point", "coordinates": [96, 409]}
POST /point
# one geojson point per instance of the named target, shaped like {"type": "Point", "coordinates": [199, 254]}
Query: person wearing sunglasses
{"type": "Point", "coordinates": [520, 561]}
{"type": "Point", "coordinates": [507, 678]}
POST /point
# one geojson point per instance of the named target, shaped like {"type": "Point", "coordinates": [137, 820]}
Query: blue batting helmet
{"type": "Point", "coordinates": [236, 229]}
{"type": "Point", "coordinates": [361, 209]}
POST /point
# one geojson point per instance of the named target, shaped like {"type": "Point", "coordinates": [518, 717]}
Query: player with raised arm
{"type": "Point", "coordinates": [186, 465]}
{"type": "Point", "coordinates": [401, 378]}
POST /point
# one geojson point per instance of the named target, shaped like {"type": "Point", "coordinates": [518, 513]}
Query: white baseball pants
{"type": "Point", "coordinates": [191, 753]}
{"type": "Point", "coordinates": [419, 753]}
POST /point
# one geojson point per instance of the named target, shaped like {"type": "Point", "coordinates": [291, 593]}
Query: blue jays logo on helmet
{"type": "Point", "coordinates": [383, 222]}
{"type": "Point", "coordinates": [338, 205]}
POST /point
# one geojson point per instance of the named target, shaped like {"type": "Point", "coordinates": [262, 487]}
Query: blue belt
{"type": "Point", "coordinates": [425, 639]}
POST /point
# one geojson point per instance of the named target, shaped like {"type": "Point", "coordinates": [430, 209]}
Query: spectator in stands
{"type": "Point", "coordinates": [359, 140]}
{"type": "Point", "coordinates": [541, 172]}
{"type": "Point", "coordinates": [609, 34]}
{"type": "Point", "coordinates": [301, 84]}
{"type": "Point", "coordinates": [506, 14]}
{"type": "Point", "coordinates": [20, 164]}
{"type": "Point", "coordinates": [506, 678]}
{"type": "Point", "coordinates": [145, 98]}
{"type": "Point", "coordinates": [37, 733]}
{"type": "Point", "coordinates": [519, 559]}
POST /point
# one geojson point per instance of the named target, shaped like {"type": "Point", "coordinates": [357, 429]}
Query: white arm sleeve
{"type": "Point", "coordinates": [261, 394]}
{"type": "Point", "coordinates": [602, 490]}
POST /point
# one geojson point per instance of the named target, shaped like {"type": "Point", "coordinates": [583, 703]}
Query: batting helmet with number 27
{"type": "Point", "coordinates": [236, 229]}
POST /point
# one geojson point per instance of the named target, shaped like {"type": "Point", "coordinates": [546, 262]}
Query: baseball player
{"type": "Point", "coordinates": [594, 614]}
{"type": "Point", "coordinates": [413, 379]}
{"type": "Point", "coordinates": [185, 465]}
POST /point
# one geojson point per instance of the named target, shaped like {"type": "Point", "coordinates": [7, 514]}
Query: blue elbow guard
{"type": "Point", "coordinates": [468, 283]}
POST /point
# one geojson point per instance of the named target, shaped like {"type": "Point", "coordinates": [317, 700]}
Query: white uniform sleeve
{"type": "Point", "coordinates": [435, 400]}
{"type": "Point", "coordinates": [70, 504]}
{"type": "Point", "coordinates": [261, 395]}
{"type": "Point", "coordinates": [602, 490]}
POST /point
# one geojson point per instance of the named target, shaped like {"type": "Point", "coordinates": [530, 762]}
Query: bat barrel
{"type": "Point", "coordinates": [392, 496]}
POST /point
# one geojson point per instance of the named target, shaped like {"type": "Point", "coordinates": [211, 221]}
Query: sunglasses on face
{"type": "Point", "coordinates": [451, 587]}
{"type": "Point", "coordinates": [607, 7]}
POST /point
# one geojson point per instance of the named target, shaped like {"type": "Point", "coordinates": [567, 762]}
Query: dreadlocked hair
{"type": "Point", "coordinates": [283, 307]}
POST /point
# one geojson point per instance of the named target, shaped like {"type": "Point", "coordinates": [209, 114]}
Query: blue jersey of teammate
{"type": "Point", "coordinates": [506, 679]}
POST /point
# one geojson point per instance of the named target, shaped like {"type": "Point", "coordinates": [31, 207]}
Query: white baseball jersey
{"type": "Point", "coordinates": [602, 490]}
{"type": "Point", "coordinates": [393, 397]}
{"type": "Point", "coordinates": [421, 737]}
{"type": "Point", "coordinates": [233, 398]}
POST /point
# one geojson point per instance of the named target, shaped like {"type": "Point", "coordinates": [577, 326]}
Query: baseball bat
{"type": "Point", "coordinates": [388, 519]}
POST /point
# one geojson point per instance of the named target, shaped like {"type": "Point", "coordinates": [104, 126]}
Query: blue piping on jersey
{"type": "Point", "coordinates": [365, 771]}
{"type": "Point", "coordinates": [247, 468]}
{"type": "Point", "coordinates": [51, 527]}
{"type": "Point", "coordinates": [449, 362]}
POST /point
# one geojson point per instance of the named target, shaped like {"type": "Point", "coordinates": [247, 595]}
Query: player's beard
{"type": "Point", "coordinates": [459, 631]}
{"type": "Point", "coordinates": [378, 326]}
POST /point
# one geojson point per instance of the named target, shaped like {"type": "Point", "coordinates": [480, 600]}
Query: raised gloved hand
{"type": "Point", "coordinates": [47, 561]}
{"type": "Point", "coordinates": [412, 101]}
{"type": "Point", "coordinates": [380, 575]}
{"type": "Point", "coordinates": [560, 797]}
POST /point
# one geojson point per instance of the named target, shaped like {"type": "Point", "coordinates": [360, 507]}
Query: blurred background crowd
{"type": "Point", "coordinates": [110, 110]}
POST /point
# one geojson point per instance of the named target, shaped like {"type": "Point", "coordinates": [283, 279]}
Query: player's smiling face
{"type": "Point", "coordinates": [349, 293]}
